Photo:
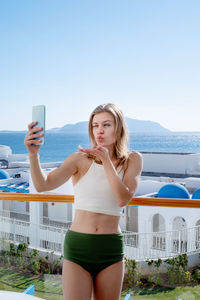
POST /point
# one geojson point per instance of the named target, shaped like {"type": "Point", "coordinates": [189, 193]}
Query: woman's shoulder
{"type": "Point", "coordinates": [134, 164]}
{"type": "Point", "coordinates": [135, 159]}
{"type": "Point", "coordinates": [135, 155]}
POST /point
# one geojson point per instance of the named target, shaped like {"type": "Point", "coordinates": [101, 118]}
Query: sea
{"type": "Point", "coordinates": [58, 146]}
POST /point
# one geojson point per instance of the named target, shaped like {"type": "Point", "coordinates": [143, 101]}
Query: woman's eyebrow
{"type": "Point", "coordinates": [103, 122]}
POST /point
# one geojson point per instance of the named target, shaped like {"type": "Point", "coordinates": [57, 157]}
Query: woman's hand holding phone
{"type": "Point", "coordinates": [36, 130]}
{"type": "Point", "coordinates": [33, 133]}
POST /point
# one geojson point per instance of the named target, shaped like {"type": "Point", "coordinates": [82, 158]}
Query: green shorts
{"type": "Point", "coordinates": [93, 252]}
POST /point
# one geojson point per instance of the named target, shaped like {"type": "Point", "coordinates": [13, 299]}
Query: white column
{"type": "Point", "coordinates": [35, 215]}
{"type": "Point", "coordinates": [35, 224]}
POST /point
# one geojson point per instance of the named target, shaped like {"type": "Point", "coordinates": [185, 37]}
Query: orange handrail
{"type": "Point", "coordinates": [141, 201]}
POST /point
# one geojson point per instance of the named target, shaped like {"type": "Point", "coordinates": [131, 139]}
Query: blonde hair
{"type": "Point", "coordinates": [121, 131]}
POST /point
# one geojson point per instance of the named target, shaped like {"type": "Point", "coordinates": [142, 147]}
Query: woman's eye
{"type": "Point", "coordinates": [106, 124]}
{"type": "Point", "coordinates": [94, 126]}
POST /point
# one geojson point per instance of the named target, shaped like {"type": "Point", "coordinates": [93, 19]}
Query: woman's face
{"type": "Point", "coordinates": [103, 125]}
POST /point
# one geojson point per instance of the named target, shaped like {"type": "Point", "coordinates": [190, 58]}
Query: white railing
{"type": "Point", "coordinates": [139, 246]}
{"type": "Point", "coordinates": [152, 245]}
{"type": "Point", "coordinates": [55, 223]}
{"type": "Point", "coordinates": [37, 236]}
{"type": "Point", "coordinates": [15, 214]}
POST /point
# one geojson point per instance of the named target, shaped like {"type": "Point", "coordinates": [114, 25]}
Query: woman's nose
{"type": "Point", "coordinates": [100, 129]}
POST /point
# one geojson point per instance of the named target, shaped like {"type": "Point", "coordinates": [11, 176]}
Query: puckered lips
{"type": "Point", "coordinates": [100, 139]}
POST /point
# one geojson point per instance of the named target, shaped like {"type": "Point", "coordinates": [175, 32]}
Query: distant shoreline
{"type": "Point", "coordinates": [133, 125]}
{"type": "Point", "coordinates": [132, 132]}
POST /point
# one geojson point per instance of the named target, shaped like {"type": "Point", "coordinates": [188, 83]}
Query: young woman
{"type": "Point", "coordinates": [105, 178]}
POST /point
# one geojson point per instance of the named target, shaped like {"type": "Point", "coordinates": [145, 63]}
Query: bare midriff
{"type": "Point", "coordinates": [95, 223]}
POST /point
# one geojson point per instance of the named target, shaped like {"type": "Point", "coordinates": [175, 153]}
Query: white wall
{"type": "Point", "coordinates": [145, 214]}
{"type": "Point", "coordinates": [171, 163]}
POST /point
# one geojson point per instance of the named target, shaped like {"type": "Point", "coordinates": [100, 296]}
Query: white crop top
{"type": "Point", "coordinates": [93, 192]}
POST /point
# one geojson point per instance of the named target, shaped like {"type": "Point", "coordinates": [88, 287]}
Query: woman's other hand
{"type": "Point", "coordinates": [30, 138]}
{"type": "Point", "coordinates": [101, 153]}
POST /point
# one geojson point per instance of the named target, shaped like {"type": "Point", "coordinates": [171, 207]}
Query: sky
{"type": "Point", "coordinates": [142, 55]}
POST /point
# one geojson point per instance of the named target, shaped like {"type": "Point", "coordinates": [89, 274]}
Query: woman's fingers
{"type": "Point", "coordinates": [30, 139]}
{"type": "Point", "coordinates": [34, 129]}
{"type": "Point", "coordinates": [80, 148]}
{"type": "Point", "coordinates": [33, 136]}
{"type": "Point", "coordinates": [31, 142]}
{"type": "Point", "coordinates": [83, 150]}
{"type": "Point", "coordinates": [99, 152]}
{"type": "Point", "coordinates": [89, 150]}
{"type": "Point", "coordinates": [30, 126]}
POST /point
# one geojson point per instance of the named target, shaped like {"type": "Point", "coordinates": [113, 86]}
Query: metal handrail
{"type": "Point", "coordinates": [140, 201]}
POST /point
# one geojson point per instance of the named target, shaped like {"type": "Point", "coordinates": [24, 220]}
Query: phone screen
{"type": "Point", "coordinates": [38, 115]}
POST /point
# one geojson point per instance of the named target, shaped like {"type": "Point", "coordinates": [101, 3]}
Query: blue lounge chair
{"type": "Point", "coordinates": [173, 190]}
{"type": "Point", "coordinates": [196, 194]}
{"type": "Point", "coordinates": [127, 297]}
{"type": "Point", "coordinates": [30, 290]}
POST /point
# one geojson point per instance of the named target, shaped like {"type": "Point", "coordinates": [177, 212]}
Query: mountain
{"type": "Point", "coordinates": [133, 126]}
{"type": "Point", "coordinates": [80, 127]}
{"type": "Point", "coordinates": [144, 126]}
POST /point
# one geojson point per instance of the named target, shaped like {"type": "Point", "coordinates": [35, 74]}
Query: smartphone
{"type": "Point", "coordinates": [38, 115]}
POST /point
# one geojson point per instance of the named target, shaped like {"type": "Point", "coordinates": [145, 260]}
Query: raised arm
{"type": "Point", "coordinates": [56, 177]}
